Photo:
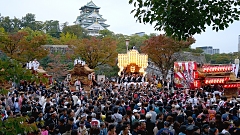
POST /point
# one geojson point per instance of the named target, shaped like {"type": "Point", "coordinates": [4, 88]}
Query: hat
{"type": "Point", "coordinates": [135, 111]}
{"type": "Point", "coordinates": [224, 117]}
{"type": "Point", "coordinates": [205, 126]}
{"type": "Point", "coordinates": [139, 104]}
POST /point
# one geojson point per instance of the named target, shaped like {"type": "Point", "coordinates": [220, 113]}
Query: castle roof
{"type": "Point", "coordinates": [89, 5]}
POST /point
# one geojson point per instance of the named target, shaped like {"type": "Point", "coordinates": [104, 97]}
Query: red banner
{"type": "Point", "coordinates": [184, 74]}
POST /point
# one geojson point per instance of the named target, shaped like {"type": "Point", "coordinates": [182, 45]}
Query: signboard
{"type": "Point", "coordinates": [184, 74]}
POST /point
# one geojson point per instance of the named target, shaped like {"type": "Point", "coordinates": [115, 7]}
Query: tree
{"type": "Point", "coordinates": [162, 51]}
{"type": "Point", "coordinates": [56, 67]}
{"type": "Point", "coordinates": [184, 18]}
{"type": "Point", "coordinates": [11, 70]}
{"type": "Point", "coordinates": [52, 28]}
{"type": "Point", "coordinates": [97, 52]}
{"type": "Point", "coordinates": [29, 21]}
{"type": "Point", "coordinates": [6, 23]}
{"type": "Point", "coordinates": [137, 41]}
{"type": "Point", "coordinates": [64, 38]}
{"type": "Point", "coordinates": [12, 44]}
{"type": "Point", "coordinates": [106, 33]}
{"type": "Point", "coordinates": [25, 45]}
{"type": "Point", "coordinates": [76, 30]}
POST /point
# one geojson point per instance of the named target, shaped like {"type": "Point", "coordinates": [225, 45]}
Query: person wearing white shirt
{"type": "Point", "coordinates": [75, 99]}
{"type": "Point", "coordinates": [35, 64]}
{"type": "Point", "coordinates": [77, 84]}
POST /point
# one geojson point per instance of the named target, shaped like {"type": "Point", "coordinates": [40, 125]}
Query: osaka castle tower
{"type": "Point", "coordinates": [90, 19]}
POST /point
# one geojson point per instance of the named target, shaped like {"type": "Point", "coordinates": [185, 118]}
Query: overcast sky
{"type": "Point", "coordinates": [117, 13]}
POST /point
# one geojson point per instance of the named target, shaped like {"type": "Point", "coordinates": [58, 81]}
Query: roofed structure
{"type": "Point", "coordinates": [90, 19]}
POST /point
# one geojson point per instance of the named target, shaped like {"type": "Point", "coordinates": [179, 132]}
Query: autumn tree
{"type": "Point", "coordinates": [184, 18]}
{"type": "Point", "coordinates": [96, 51]}
{"type": "Point", "coordinates": [12, 44]}
{"type": "Point", "coordinates": [56, 66]}
{"type": "Point", "coordinates": [162, 51]}
{"type": "Point", "coordinates": [25, 45]}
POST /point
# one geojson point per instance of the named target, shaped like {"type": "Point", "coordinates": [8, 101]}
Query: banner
{"type": "Point", "coordinates": [184, 74]}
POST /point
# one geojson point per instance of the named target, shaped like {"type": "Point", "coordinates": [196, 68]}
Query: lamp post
{"type": "Point", "coordinates": [127, 43]}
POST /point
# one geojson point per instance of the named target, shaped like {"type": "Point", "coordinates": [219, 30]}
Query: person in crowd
{"type": "Point", "coordinates": [112, 130]}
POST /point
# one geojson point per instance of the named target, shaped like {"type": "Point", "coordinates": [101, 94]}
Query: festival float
{"type": "Point", "coordinates": [36, 69]}
{"type": "Point", "coordinates": [191, 75]}
{"type": "Point", "coordinates": [81, 72]}
{"type": "Point", "coordinates": [133, 66]}
{"type": "Point", "coordinates": [132, 62]}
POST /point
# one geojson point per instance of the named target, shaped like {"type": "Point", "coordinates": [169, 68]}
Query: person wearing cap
{"type": "Point", "coordinates": [165, 129]}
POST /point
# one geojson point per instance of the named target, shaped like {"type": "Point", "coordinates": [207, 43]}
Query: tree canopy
{"type": "Point", "coordinates": [184, 18]}
{"type": "Point", "coordinates": [162, 51]}
{"type": "Point", "coordinates": [25, 45]}
{"type": "Point", "coordinates": [96, 51]}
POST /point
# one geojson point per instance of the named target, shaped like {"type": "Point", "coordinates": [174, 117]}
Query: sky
{"type": "Point", "coordinates": [117, 13]}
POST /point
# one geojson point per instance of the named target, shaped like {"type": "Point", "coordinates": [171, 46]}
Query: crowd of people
{"type": "Point", "coordinates": [111, 109]}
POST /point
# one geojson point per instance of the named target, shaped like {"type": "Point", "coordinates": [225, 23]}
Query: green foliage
{"type": "Point", "coordinates": [11, 70]}
{"type": "Point", "coordinates": [66, 37]}
{"type": "Point", "coordinates": [52, 28]}
{"type": "Point", "coordinates": [184, 18]}
{"type": "Point", "coordinates": [189, 49]}
{"type": "Point", "coordinates": [76, 30]}
{"type": "Point", "coordinates": [18, 125]}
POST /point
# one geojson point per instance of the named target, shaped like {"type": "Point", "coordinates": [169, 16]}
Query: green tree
{"type": "Point", "coordinates": [52, 28]}
{"type": "Point", "coordinates": [121, 42]}
{"type": "Point", "coordinates": [97, 52]}
{"type": "Point", "coordinates": [6, 23]}
{"type": "Point", "coordinates": [106, 33]}
{"type": "Point", "coordinates": [184, 18]}
{"type": "Point", "coordinates": [29, 21]}
{"type": "Point", "coordinates": [136, 41]}
{"type": "Point", "coordinates": [65, 38]}
{"type": "Point", "coordinates": [76, 30]}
